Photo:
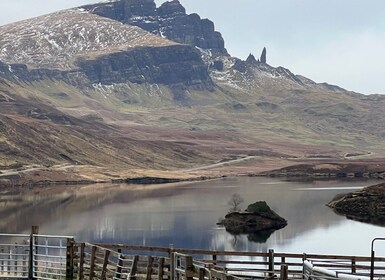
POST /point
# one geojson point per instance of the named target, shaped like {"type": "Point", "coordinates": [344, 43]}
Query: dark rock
{"type": "Point", "coordinates": [238, 106]}
{"type": "Point", "coordinates": [40, 114]}
{"type": "Point", "coordinates": [267, 105]}
{"type": "Point", "coordinates": [251, 60]}
{"type": "Point", "coordinates": [141, 13]}
{"type": "Point", "coordinates": [258, 218]}
{"type": "Point", "coordinates": [263, 55]}
{"type": "Point", "coordinates": [169, 20]}
{"type": "Point", "coordinates": [240, 65]}
{"type": "Point", "coordinates": [177, 65]}
{"type": "Point", "coordinates": [171, 65]}
{"type": "Point", "coordinates": [218, 65]}
{"type": "Point", "coordinates": [366, 205]}
{"type": "Point", "coordinates": [150, 180]}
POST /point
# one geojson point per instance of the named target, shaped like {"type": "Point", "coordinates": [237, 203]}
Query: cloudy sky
{"type": "Point", "coordinates": [340, 42]}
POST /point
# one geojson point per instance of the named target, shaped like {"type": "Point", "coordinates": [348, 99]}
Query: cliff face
{"type": "Point", "coordinates": [169, 20]}
{"type": "Point", "coordinates": [173, 65]}
{"type": "Point", "coordinates": [97, 50]}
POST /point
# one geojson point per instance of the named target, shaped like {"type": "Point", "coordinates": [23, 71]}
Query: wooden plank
{"type": "Point", "coordinates": [261, 263]}
{"type": "Point", "coordinates": [231, 253]}
{"type": "Point", "coordinates": [121, 247]}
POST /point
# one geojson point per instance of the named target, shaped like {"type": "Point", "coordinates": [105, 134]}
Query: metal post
{"type": "Point", "coordinates": [372, 254]}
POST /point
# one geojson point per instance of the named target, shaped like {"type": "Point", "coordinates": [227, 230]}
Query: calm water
{"type": "Point", "coordinates": [185, 215]}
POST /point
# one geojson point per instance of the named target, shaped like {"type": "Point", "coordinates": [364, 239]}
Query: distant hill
{"type": "Point", "coordinates": [125, 85]}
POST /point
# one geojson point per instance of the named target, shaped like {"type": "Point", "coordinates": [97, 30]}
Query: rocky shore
{"type": "Point", "coordinates": [366, 205]}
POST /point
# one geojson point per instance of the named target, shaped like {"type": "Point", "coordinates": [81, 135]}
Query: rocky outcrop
{"type": "Point", "coordinates": [141, 13]}
{"type": "Point", "coordinates": [332, 169]}
{"type": "Point", "coordinates": [366, 205]}
{"type": "Point", "coordinates": [172, 65]}
{"type": "Point", "coordinates": [169, 20]}
{"type": "Point", "coordinates": [263, 56]}
{"type": "Point", "coordinates": [257, 220]}
{"type": "Point", "coordinates": [251, 60]}
{"type": "Point", "coordinates": [177, 65]}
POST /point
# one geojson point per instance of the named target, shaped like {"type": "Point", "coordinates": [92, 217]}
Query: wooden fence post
{"type": "Point", "coordinates": [105, 263]}
{"type": "Point", "coordinates": [81, 261]}
{"type": "Point", "coordinates": [271, 263]}
{"type": "Point", "coordinates": [189, 270]}
{"type": "Point", "coordinates": [202, 273]}
{"type": "Point", "coordinates": [92, 265]}
{"type": "Point", "coordinates": [172, 264]}
{"type": "Point", "coordinates": [134, 267]}
{"type": "Point", "coordinates": [34, 230]}
{"type": "Point", "coordinates": [70, 255]}
{"type": "Point", "coordinates": [118, 274]}
{"type": "Point", "coordinates": [2, 260]}
{"type": "Point", "coordinates": [353, 265]}
{"type": "Point", "coordinates": [372, 265]}
{"type": "Point", "coordinates": [284, 272]}
{"type": "Point", "coordinates": [150, 261]}
{"type": "Point", "coordinates": [160, 268]}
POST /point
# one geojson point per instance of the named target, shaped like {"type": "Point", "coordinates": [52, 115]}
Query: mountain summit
{"type": "Point", "coordinates": [169, 20]}
{"type": "Point", "coordinates": [124, 89]}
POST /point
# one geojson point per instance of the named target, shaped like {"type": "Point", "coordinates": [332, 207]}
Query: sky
{"type": "Point", "coordinates": [339, 42]}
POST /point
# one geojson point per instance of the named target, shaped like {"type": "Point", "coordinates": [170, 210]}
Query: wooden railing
{"type": "Point", "coordinates": [264, 264]}
{"type": "Point", "coordinates": [57, 257]}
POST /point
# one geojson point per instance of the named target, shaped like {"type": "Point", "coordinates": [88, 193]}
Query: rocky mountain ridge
{"type": "Point", "coordinates": [166, 105]}
{"type": "Point", "coordinates": [169, 20]}
{"type": "Point", "coordinates": [96, 50]}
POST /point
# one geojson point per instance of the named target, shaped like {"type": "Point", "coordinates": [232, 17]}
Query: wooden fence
{"type": "Point", "coordinates": [57, 257]}
{"type": "Point", "coordinates": [263, 264]}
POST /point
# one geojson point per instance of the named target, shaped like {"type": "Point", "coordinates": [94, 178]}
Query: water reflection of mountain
{"type": "Point", "coordinates": [180, 214]}
{"type": "Point", "coordinates": [43, 206]}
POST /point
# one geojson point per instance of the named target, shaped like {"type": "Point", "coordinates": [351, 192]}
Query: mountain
{"type": "Point", "coordinates": [125, 89]}
{"type": "Point", "coordinates": [169, 20]}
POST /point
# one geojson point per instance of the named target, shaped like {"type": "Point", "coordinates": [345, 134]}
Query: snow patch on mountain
{"type": "Point", "coordinates": [56, 40]}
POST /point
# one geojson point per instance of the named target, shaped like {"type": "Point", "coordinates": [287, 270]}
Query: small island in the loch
{"type": "Point", "coordinates": [257, 220]}
{"type": "Point", "coordinates": [365, 205]}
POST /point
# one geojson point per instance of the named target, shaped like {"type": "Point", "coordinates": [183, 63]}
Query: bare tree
{"type": "Point", "coordinates": [235, 201]}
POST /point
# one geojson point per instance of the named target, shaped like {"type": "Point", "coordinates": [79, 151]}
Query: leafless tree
{"type": "Point", "coordinates": [235, 201]}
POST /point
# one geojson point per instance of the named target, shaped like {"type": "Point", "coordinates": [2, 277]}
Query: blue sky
{"type": "Point", "coordinates": [340, 42]}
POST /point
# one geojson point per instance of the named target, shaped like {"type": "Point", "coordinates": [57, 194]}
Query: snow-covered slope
{"type": "Point", "coordinates": [56, 40]}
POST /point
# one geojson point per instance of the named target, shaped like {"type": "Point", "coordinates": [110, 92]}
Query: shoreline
{"type": "Point", "coordinates": [295, 169]}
